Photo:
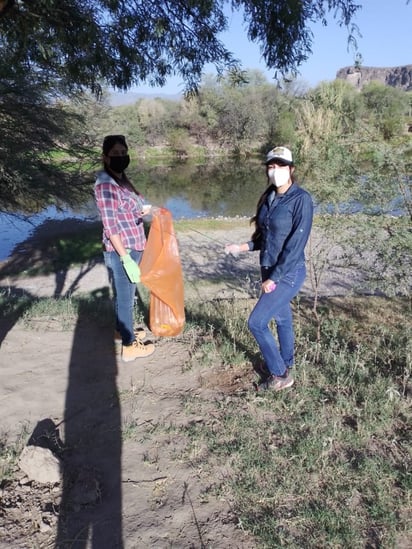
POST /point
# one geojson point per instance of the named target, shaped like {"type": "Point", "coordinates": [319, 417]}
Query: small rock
{"type": "Point", "coordinates": [25, 480]}
{"type": "Point", "coordinates": [44, 527]}
{"type": "Point", "coordinates": [40, 464]}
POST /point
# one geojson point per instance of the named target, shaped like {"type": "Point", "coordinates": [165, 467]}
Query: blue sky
{"type": "Point", "coordinates": [385, 41]}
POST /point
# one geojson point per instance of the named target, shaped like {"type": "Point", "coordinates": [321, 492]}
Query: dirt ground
{"type": "Point", "coordinates": [126, 479]}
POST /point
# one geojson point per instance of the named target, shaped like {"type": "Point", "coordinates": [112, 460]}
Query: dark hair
{"type": "Point", "coordinates": [110, 141]}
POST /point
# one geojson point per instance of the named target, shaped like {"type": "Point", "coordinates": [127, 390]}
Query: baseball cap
{"type": "Point", "coordinates": [280, 153]}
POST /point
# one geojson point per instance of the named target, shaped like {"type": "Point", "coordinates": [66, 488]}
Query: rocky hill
{"type": "Point", "coordinates": [397, 77]}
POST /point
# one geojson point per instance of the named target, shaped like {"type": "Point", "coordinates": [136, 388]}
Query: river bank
{"type": "Point", "coordinates": [127, 471]}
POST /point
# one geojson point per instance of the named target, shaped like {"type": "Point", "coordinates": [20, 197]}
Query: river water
{"type": "Point", "coordinates": [187, 190]}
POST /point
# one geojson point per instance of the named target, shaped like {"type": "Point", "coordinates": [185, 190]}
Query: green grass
{"type": "Point", "coordinates": [10, 453]}
{"type": "Point", "coordinates": [326, 463]}
{"type": "Point", "coordinates": [54, 253]}
{"type": "Point", "coordinates": [78, 248]}
{"type": "Point", "coordinates": [97, 307]}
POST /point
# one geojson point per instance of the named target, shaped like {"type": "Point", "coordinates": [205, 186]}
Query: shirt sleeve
{"type": "Point", "coordinates": [107, 200]}
{"type": "Point", "coordinates": [255, 243]}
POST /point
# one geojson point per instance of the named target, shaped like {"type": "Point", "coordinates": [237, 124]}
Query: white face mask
{"type": "Point", "coordinates": [279, 176]}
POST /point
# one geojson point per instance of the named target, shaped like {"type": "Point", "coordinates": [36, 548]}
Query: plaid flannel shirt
{"type": "Point", "coordinates": [121, 213]}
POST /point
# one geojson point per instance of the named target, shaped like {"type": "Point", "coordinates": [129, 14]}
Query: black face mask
{"type": "Point", "coordinates": [119, 163]}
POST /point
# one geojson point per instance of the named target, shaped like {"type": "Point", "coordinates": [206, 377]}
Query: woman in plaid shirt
{"type": "Point", "coordinates": [121, 209]}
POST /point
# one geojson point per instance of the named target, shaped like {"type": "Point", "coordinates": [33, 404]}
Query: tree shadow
{"type": "Point", "coordinates": [14, 303]}
{"type": "Point", "coordinates": [91, 506]}
{"type": "Point", "coordinates": [54, 247]}
{"type": "Point", "coordinates": [41, 254]}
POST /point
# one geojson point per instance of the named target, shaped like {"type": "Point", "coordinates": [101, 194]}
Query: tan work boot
{"type": "Point", "coordinates": [136, 350]}
{"type": "Point", "coordinates": [139, 333]}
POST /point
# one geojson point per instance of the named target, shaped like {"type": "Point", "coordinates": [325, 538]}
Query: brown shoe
{"type": "Point", "coordinates": [136, 350]}
{"type": "Point", "coordinates": [139, 333]}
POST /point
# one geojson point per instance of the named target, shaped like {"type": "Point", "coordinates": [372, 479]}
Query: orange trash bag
{"type": "Point", "coordinates": [161, 273]}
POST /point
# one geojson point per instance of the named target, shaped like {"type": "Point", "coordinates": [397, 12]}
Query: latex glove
{"type": "Point", "coordinates": [268, 286]}
{"type": "Point", "coordinates": [233, 249]}
{"type": "Point", "coordinates": [131, 267]}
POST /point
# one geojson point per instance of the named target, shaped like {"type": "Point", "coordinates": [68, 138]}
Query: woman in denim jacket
{"type": "Point", "coordinates": [283, 223]}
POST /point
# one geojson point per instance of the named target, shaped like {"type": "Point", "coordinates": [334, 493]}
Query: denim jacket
{"type": "Point", "coordinates": [284, 228]}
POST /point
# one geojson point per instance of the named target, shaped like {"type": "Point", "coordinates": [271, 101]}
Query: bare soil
{"type": "Point", "coordinates": [127, 478]}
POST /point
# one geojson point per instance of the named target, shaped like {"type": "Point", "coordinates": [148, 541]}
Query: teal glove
{"type": "Point", "coordinates": [131, 268]}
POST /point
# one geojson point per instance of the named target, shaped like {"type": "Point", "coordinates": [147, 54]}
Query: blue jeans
{"type": "Point", "coordinates": [124, 292]}
{"type": "Point", "coordinates": [276, 305]}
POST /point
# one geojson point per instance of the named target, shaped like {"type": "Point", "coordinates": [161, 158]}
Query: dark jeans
{"type": "Point", "coordinates": [276, 305]}
{"type": "Point", "coordinates": [124, 292]}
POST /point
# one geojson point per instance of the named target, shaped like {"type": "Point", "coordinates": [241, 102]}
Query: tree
{"type": "Point", "coordinates": [40, 139]}
{"type": "Point", "coordinates": [239, 111]}
{"type": "Point", "coordinates": [348, 168]}
{"type": "Point", "coordinates": [63, 47]}
{"type": "Point", "coordinates": [387, 107]}
{"type": "Point", "coordinates": [87, 42]}
{"type": "Point", "coordinates": [151, 118]}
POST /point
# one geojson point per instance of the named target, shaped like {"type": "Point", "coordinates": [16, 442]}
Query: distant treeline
{"type": "Point", "coordinates": [237, 119]}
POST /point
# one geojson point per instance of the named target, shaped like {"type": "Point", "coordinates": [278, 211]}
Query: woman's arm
{"type": "Point", "coordinates": [107, 200]}
{"type": "Point", "coordinates": [235, 249]}
{"type": "Point", "coordinates": [117, 244]}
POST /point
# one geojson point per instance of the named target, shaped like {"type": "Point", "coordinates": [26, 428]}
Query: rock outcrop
{"type": "Point", "coordinates": [397, 77]}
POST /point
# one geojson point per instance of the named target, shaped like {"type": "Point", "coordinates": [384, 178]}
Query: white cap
{"type": "Point", "coordinates": [280, 153]}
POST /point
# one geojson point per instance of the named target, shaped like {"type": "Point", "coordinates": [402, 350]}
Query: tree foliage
{"type": "Point", "coordinates": [50, 49]}
{"type": "Point", "coordinates": [388, 106]}
{"type": "Point", "coordinates": [40, 140]}
{"type": "Point", "coordinates": [282, 27]}
{"type": "Point", "coordinates": [86, 42]}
